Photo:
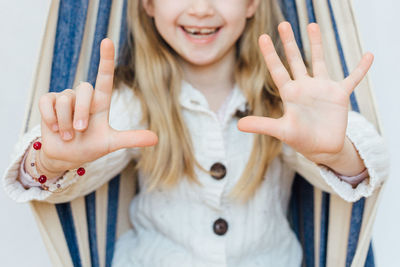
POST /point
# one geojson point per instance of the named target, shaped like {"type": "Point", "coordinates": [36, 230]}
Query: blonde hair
{"type": "Point", "coordinates": [151, 69]}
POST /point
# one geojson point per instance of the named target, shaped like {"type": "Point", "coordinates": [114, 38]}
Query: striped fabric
{"type": "Point", "coordinates": [332, 231]}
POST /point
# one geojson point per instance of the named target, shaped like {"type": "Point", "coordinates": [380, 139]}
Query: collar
{"type": "Point", "coordinates": [192, 99]}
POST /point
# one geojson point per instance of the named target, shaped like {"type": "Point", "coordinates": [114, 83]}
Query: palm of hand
{"type": "Point", "coordinates": [315, 108]}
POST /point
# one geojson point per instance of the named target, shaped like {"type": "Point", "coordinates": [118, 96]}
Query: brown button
{"type": "Point", "coordinates": [220, 226]}
{"type": "Point", "coordinates": [218, 171]}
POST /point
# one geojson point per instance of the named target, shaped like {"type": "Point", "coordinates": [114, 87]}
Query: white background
{"type": "Point", "coordinates": [20, 24]}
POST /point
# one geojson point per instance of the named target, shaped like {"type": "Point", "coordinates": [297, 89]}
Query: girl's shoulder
{"type": "Point", "coordinates": [125, 109]}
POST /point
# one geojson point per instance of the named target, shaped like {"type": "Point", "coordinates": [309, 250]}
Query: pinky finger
{"type": "Point", "coordinates": [351, 82]}
{"type": "Point", "coordinates": [46, 107]}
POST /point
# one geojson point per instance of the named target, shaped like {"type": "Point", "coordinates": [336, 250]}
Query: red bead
{"type": "Point", "coordinates": [81, 171]}
{"type": "Point", "coordinates": [42, 179]}
{"type": "Point", "coordinates": [37, 145]}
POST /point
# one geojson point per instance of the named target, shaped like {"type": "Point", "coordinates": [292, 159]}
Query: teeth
{"type": "Point", "coordinates": [192, 30]}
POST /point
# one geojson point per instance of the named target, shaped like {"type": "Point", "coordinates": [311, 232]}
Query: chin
{"type": "Point", "coordinates": [201, 60]}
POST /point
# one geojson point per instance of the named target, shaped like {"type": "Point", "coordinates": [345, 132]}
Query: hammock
{"type": "Point", "coordinates": [83, 232]}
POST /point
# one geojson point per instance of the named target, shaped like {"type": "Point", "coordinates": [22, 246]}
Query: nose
{"type": "Point", "coordinates": [201, 8]}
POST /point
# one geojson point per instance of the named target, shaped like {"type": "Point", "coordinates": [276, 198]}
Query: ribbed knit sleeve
{"type": "Point", "coordinates": [125, 114]}
{"type": "Point", "coordinates": [372, 150]}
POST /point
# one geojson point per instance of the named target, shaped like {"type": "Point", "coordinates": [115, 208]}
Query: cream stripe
{"type": "Point", "coordinates": [303, 22]}
{"type": "Point", "coordinates": [52, 234]}
{"type": "Point", "coordinates": [79, 216]}
{"type": "Point", "coordinates": [338, 231]}
{"type": "Point", "coordinates": [114, 26]}
{"type": "Point", "coordinates": [45, 214]}
{"type": "Point", "coordinates": [328, 38]}
{"type": "Point", "coordinates": [317, 224]}
{"type": "Point", "coordinates": [347, 27]}
{"type": "Point", "coordinates": [352, 51]}
{"type": "Point", "coordinates": [127, 190]}
{"type": "Point", "coordinates": [101, 221]}
{"type": "Point", "coordinates": [370, 209]}
{"type": "Point", "coordinates": [41, 78]}
{"type": "Point", "coordinates": [339, 210]}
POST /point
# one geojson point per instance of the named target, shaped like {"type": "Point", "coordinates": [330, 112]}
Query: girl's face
{"type": "Point", "coordinates": [200, 31]}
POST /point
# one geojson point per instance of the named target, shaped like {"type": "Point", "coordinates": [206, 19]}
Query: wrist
{"type": "Point", "coordinates": [346, 162]}
{"type": "Point", "coordinates": [46, 166]}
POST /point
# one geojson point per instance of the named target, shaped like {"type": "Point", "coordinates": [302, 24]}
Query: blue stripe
{"type": "Point", "coordinates": [370, 261]}
{"type": "Point", "coordinates": [124, 28]}
{"type": "Point", "coordinates": [114, 184]}
{"type": "Point", "coordinates": [67, 46]}
{"type": "Point", "coordinates": [68, 42]}
{"type": "Point", "coordinates": [310, 11]}
{"type": "Point", "coordinates": [324, 223]}
{"type": "Point", "coordinates": [301, 217]}
{"type": "Point", "coordinates": [289, 10]}
{"type": "Point", "coordinates": [102, 21]}
{"type": "Point", "coordinates": [112, 212]}
{"type": "Point", "coordinates": [103, 17]}
{"type": "Point", "coordinates": [353, 99]}
{"type": "Point", "coordinates": [67, 223]}
{"type": "Point", "coordinates": [90, 203]}
{"type": "Point", "coordinates": [355, 227]}
{"type": "Point", "coordinates": [324, 229]}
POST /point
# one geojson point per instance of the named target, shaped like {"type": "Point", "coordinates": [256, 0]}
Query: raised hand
{"type": "Point", "coordinates": [315, 107]}
{"type": "Point", "coordinates": [75, 124]}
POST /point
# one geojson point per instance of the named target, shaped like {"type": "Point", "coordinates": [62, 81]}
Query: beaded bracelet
{"type": "Point", "coordinates": [42, 179]}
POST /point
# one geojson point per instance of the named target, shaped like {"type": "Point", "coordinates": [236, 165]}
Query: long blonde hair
{"type": "Point", "coordinates": [150, 67]}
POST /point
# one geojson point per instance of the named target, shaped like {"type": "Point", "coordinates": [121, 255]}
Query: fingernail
{"type": "Point", "coordinates": [79, 125]}
{"type": "Point", "coordinates": [67, 135]}
{"type": "Point", "coordinates": [54, 127]}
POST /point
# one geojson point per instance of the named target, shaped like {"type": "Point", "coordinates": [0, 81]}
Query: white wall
{"type": "Point", "coordinates": [20, 25]}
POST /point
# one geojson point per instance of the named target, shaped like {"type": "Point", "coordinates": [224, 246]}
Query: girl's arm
{"type": "Point", "coordinates": [316, 122]}
{"type": "Point", "coordinates": [367, 143]}
{"type": "Point", "coordinates": [125, 114]}
{"type": "Point", "coordinates": [76, 131]}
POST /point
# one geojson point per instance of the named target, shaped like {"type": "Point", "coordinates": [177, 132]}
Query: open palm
{"type": "Point", "coordinates": [315, 107]}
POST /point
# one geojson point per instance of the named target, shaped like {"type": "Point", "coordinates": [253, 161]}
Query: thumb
{"type": "Point", "coordinates": [262, 125]}
{"type": "Point", "coordinates": [132, 138]}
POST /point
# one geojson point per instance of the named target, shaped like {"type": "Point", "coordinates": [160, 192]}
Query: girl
{"type": "Point", "coordinates": [210, 195]}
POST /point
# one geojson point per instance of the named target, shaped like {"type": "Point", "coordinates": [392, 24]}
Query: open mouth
{"type": "Point", "coordinates": [202, 32]}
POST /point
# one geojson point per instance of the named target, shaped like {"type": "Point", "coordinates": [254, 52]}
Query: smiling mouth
{"type": "Point", "coordinates": [199, 32]}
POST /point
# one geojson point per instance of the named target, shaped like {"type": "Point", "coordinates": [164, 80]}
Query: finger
{"type": "Point", "coordinates": [133, 138]}
{"type": "Point", "coordinates": [356, 76]}
{"type": "Point", "coordinates": [317, 51]}
{"type": "Point", "coordinates": [84, 93]}
{"type": "Point", "coordinates": [64, 107]}
{"type": "Point", "coordinates": [48, 114]}
{"type": "Point", "coordinates": [105, 76]}
{"type": "Point", "coordinates": [278, 71]}
{"type": "Point", "coordinates": [262, 125]}
{"type": "Point", "coordinates": [292, 51]}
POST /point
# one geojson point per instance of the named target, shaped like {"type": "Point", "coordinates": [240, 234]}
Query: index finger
{"type": "Point", "coordinates": [105, 75]}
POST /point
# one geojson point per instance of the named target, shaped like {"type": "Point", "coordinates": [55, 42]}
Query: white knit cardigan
{"type": "Point", "coordinates": [175, 227]}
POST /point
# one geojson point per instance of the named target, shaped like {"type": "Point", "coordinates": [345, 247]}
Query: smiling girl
{"type": "Point", "coordinates": [211, 193]}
